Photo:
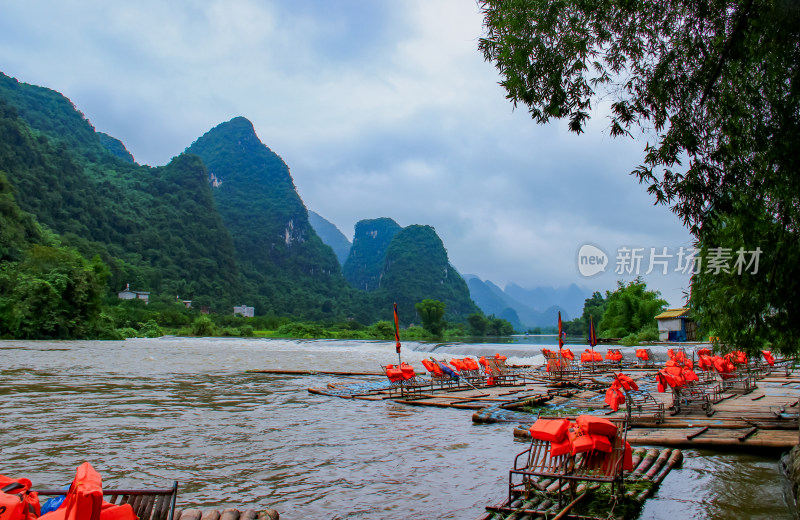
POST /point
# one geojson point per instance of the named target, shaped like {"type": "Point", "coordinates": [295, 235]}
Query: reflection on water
{"type": "Point", "coordinates": [146, 412]}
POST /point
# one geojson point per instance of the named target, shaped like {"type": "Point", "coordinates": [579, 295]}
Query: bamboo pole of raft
{"type": "Point", "coordinates": [646, 461]}
{"type": "Point", "coordinates": [636, 458]}
{"type": "Point", "coordinates": [674, 460]}
{"type": "Point", "coordinates": [659, 463]}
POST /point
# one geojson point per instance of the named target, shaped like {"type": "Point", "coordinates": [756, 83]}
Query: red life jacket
{"type": "Point", "coordinates": [84, 500]}
{"type": "Point", "coordinates": [470, 364]}
{"type": "Point", "coordinates": [567, 354]}
{"type": "Point", "coordinates": [627, 459]}
{"type": "Point", "coordinates": [561, 447]}
{"type": "Point", "coordinates": [394, 374]}
{"type": "Point", "coordinates": [770, 359]}
{"type": "Point", "coordinates": [580, 442]}
{"type": "Point", "coordinates": [596, 425]}
{"type": "Point", "coordinates": [407, 371]}
{"type": "Point", "coordinates": [17, 502]}
{"type": "Point", "coordinates": [614, 397]}
{"type": "Point", "coordinates": [586, 356]}
{"type": "Point", "coordinates": [552, 430]}
{"type": "Point", "coordinates": [627, 382]}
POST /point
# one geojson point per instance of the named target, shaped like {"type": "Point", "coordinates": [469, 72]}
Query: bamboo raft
{"type": "Point", "coordinates": [650, 468]}
{"type": "Point", "coordinates": [765, 418]}
{"type": "Point", "coordinates": [226, 514]}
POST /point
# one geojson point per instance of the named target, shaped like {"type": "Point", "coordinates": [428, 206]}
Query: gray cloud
{"type": "Point", "coordinates": [380, 108]}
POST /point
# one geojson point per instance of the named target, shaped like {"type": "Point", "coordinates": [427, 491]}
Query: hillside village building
{"type": "Point", "coordinates": [244, 310]}
{"type": "Point", "coordinates": [128, 294]}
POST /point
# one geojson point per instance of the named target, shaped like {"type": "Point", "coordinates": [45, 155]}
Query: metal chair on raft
{"type": "Point", "coordinates": [403, 380]}
{"type": "Point", "coordinates": [640, 405]}
{"type": "Point", "coordinates": [563, 454]}
{"type": "Point", "coordinates": [688, 393]}
{"type": "Point", "coordinates": [560, 365]}
{"type": "Point", "coordinates": [498, 372]}
{"type": "Point", "coordinates": [645, 358]}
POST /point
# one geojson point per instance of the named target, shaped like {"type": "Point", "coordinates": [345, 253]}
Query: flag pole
{"type": "Point", "coordinates": [397, 334]}
{"type": "Point", "coordinates": [592, 338]}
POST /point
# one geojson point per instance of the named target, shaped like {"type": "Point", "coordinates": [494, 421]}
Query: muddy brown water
{"type": "Point", "coordinates": [148, 411]}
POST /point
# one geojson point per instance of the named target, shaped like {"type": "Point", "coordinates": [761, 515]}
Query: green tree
{"type": "Point", "coordinates": [477, 324]}
{"type": "Point", "coordinates": [431, 313]}
{"type": "Point", "coordinates": [499, 327]}
{"type": "Point", "coordinates": [630, 310]}
{"type": "Point", "coordinates": [52, 293]}
{"type": "Point", "coordinates": [203, 326]}
{"type": "Point", "coordinates": [729, 298]}
{"type": "Point", "coordinates": [715, 85]}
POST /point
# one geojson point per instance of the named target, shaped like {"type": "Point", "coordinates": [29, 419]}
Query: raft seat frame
{"type": "Point", "coordinates": [560, 368]}
{"type": "Point", "coordinates": [693, 396]}
{"type": "Point", "coordinates": [567, 470]}
{"type": "Point", "coordinates": [147, 504]}
{"type": "Point", "coordinates": [641, 406]}
{"type": "Point", "coordinates": [499, 372]}
{"type": "Point", "coordinates": [650, 362]}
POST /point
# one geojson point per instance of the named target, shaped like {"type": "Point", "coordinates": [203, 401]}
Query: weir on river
{"type": "Point", "coordinates": [149, 411]}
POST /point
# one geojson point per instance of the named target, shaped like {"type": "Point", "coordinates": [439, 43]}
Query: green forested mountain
{"type": "Point", "coordinates": [287, 267]}
{"type": "Point", "coordinates": [155, 228]}
{"type": "Point", "coordinates": [18, 229]}
{"type": "Point", "coordinates": [367, 258]}
{"type": "Point", "coordinates": [417, 268]}
{"type": "Point", "coordinates": [331, 236]}
{"type": "Point", "coordinates": [221, 224]}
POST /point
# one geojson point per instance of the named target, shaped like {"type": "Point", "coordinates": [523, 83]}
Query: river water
{"type": "Point", "coordinates": [146, 412]}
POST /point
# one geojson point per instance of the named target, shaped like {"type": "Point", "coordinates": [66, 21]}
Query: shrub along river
{"type": "Point", "coordinates": [145, 412]}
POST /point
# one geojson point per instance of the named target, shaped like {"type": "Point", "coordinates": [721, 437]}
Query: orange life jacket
{"type": "Point", "coordinates": [84, 500]}
{"type": "Point", "coordinates": [17, 502]}
{"type": "Point", "coordinates": [627, 459]}
{"type": "Point", "coordinates": [596, 425]}
{"type": "Point", "coordinates": [626, 382]}
{"type": "Point", "coordinates": [552, 430]}
{"type": "Point", "coordinates": [580, 442]}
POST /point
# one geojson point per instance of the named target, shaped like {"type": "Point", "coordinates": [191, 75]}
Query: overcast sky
{"type": "Point", "coordinates": [380, 109]}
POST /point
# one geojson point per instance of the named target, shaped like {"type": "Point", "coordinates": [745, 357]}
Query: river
{"type": "Point", "coordinates": [145, 412]}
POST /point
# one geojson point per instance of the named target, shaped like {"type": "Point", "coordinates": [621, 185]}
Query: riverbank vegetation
{"type": "Point", "coordinates": [136, 319]}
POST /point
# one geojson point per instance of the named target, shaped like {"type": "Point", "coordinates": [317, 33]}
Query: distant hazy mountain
{"type": "Point", "coordinates": [571, 298]}
{"type": "Point", "coordinates": [493, 300]}
{"type": "Point", "coordinates": [330, 235]}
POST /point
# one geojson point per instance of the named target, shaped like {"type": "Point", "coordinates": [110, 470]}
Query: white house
{"type": "Point", "coordinates": [128, 294]}
{"type": "Point", "coordinates": [244, 310]}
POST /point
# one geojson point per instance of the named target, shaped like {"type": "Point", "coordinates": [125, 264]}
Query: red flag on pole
{"type": "Point", "coordinates": [592, 333]}
{"type": "Point", "coordinates": [396, 330]}
{"type": "Point", "coordinates": [560, 337]}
